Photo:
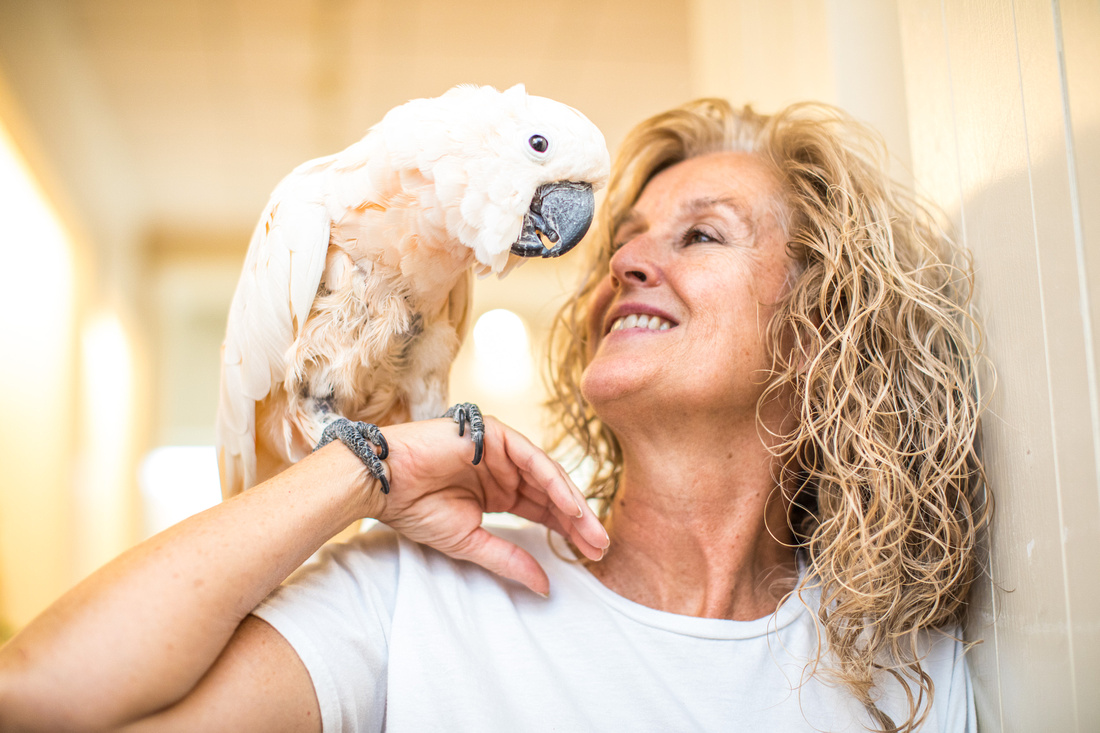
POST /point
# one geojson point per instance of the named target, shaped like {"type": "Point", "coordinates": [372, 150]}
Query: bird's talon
{"type": "Point", "coordinates": [467, 411]}
{"type": "Point", "coordinates": [355, 437]}
{"type": "Point", "coordinates": [374, 435]}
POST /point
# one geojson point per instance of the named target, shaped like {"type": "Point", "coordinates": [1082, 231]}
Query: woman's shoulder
{"type": "Point", "coordinates": [942, 655]}
{"type": "Point", "coordinates": [380, 554]}
{"type": "Point", "coordinates": [374, 549]}
{"type": "Point", "coordinates": [339, 579]}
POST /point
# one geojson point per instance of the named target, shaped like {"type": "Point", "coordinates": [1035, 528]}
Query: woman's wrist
{"type": "Point", "coordinates": [357, 493]}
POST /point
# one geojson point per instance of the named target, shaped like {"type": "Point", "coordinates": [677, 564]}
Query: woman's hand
{"type": "Point", "coordinates": [437, 496]}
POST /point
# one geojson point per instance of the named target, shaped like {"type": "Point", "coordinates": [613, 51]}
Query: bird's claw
{"type": "Point", "coordinates": [465, 412]}
{"type": "Point", "coordinates": [355, 435]}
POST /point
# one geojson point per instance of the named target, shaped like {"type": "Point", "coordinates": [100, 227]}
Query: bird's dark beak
{"type": "Point", "coordinates": [561, 212]}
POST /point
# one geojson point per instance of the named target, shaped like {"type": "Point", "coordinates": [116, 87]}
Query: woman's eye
{"type": "Point", "coordinates": [620, 240]}
{"type": "Point", "coordinates": [696, 235]}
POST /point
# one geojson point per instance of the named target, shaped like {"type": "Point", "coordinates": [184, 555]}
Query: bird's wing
{"type": "Point", "coordinates": [458, 305]}
{"type": "Point", "coordinates": [282, 271]}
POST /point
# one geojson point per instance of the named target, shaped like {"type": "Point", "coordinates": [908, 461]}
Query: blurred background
{"type": "Point", "coordinates": [140, 139]}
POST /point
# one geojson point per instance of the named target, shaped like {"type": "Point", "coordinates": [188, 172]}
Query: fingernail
{"type": "Point", "coordinates": [544, 595]}
{"type": "Point", "coordinates": [580, 509]}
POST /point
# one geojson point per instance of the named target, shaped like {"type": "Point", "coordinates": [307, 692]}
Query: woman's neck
{"type": "Point", "coordinates": [698, 527]}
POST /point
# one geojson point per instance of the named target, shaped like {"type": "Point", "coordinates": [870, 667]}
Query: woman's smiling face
{"type": "Point", "coordinates": [698, 264]}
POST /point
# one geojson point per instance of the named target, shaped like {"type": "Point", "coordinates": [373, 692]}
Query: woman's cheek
{"type": "Point", "coordinates": [601, 299]}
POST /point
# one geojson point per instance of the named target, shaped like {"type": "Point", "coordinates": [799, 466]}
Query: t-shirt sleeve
{"type": "Point", "coordinates": [336, 612]}
{"type": "Point", "coordinates": [943, 658]}
{"type": "Point", "coordinates": [953, 703]}
{"type": "Point", "coordinates": [959, 711]}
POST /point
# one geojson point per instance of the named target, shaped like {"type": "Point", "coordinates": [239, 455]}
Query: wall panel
{"type": "Point", "coordinates": [934, 150]}
{"type": "Point", "coordinates": [997, 224]}
{"type": "Point", "coordinates": [1077, 29]}
{"type": "Point", "coordinates": [988, 119]}
{"type": "Point", "coordinates": [1069, 337]}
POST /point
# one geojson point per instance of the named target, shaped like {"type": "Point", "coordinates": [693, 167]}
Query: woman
{"type": "Point", "coordinates": [768, 363]}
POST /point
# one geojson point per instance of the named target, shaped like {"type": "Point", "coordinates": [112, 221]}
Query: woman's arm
{"type": "Point", "coordinates": [135, 639]}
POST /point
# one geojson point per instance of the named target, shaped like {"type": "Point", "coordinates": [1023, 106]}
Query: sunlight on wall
{"type": "Point", "coordinates": [37, 371]}
{"type": "Point", "coordinates": [503, 353]}
{"type": "Point", "coordinates": [176, 482]}
{"type": "Point", "coordinates": [36, 281]}
{"type": "Point", "coordinates": [102, 500]}
{"type": "Point", "coordinates": [107, 373]}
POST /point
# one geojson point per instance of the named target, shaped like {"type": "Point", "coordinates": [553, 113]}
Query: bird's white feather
{"type": "Point", "coordinates": [355, 291]}
{"type": "Point", "coordinates": [274, 295]}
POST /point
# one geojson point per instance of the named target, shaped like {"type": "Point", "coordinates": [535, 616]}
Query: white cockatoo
{"type": "Point", "coordinates": [357, 283]}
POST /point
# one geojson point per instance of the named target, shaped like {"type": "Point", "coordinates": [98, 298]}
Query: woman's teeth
{"type": "Point", "coordinates": [653, 323]}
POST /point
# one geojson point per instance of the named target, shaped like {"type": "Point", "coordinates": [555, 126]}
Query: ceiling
{"type": "Point", "coordinates": [192, 110]}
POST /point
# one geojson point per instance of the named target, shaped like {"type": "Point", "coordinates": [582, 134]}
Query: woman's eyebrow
{"type": "Point", "coordinates": [634, 218]}
{"type": "Point", "coordinates": [629, 220]}
{"type": "Point", "coordinates": [729, 202]}
{"type": "Point", "coordinates": [734, 204]}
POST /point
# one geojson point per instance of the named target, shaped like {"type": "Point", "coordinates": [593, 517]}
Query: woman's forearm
{"type": "Point", "coordinates": [138, 634]}
{"type": "Point", "coordinates": [136, 637]}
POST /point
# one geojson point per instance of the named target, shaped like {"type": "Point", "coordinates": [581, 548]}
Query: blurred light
{"type": "Point", "coordinates": [176, 482]}
{"type": "Point", "coordinates": [502, 352]}
{"type": "Point", "coordinates": [108, 376]}
{"type": "Point", "coordinates": [36, 279]}
{"type": "Point", "coordinates": [103, 472]}
{"type": "Point", "coordinates": [37, 330]}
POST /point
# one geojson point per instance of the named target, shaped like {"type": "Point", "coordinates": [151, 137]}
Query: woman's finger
{"type": "Point", "coordinates": [539, 470]}
{"type": "Point", "coordinates": [586, 546]}
{"type": "Point", "coordinates": [588, 529]}
{"type": "Point", "coordinates": [594, 534]}
{"type": "Point", "coordinates": [582, 518]}
{"type": "Point", "coordinates": [592, 542]}
{"type": "Point", "coordinates": [592, 531]}
{"type": "Point", "coordinates": [534, 508]}
{"type": "Point", "coordinates": [503, 558]}
{"type": "Point", "coordinates": [543, 472]}
{"type": "Point", "coordinates": [581, 498]}
{"type": "Point", "coordinates": [550, 516]}
{"type": "Point", "coordinates": [542, 513]}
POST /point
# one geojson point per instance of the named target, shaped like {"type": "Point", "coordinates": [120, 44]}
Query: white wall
{"type": "Point", "coordinates": [1002, 100]}
{"type": "Point", "coordinates": [770, 53]}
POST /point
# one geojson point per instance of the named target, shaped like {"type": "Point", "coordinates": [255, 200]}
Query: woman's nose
{"type": "Point", "coordinates": [633, 263]}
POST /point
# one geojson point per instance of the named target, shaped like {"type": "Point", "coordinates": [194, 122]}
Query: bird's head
{"type": "Point", "coordinates": [512, 173]}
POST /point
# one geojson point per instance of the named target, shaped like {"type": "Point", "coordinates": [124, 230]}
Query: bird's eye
{"type": "Point", "coordinates": [538, 143]}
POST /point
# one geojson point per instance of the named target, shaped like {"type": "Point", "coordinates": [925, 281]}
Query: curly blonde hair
{"type": "Point", "coordinates": [881, 468]}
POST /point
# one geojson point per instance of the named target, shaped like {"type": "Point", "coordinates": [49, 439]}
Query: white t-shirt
{"type": "Point", "coordinates": [397, 636]}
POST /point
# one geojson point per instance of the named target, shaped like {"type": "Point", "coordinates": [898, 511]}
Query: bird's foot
{"type": "Point", "coordinates": [355, 435]}
{"type": "Point", "coordinates": [468, 412]}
